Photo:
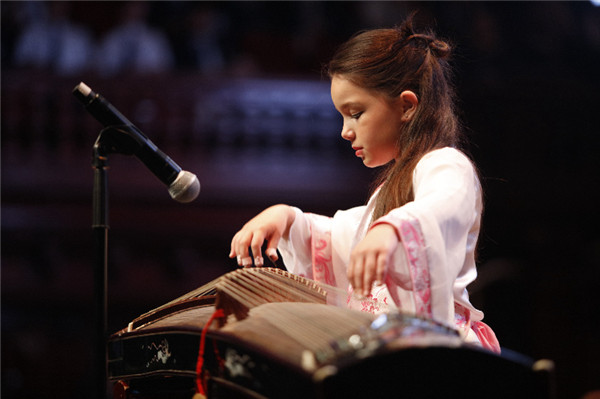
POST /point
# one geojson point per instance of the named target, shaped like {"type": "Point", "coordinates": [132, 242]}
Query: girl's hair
{"type": "Point", "coordinates": [388, 62]}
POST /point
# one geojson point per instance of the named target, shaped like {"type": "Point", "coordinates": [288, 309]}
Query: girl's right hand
{"type": "Point", "coordinates": [270, 225]}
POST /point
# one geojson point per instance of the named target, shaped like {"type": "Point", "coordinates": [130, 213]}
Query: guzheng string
{"type": "Point", "coordinates": [306, 317]}
{"type": "Point", "coordinates": [186, 301]}
{"type": "Point", "coordinates": [275, 285]}
{"type": "Point", "coordinates": [244, 289]}
{"type": "Point", "coordinates": [264, 285]}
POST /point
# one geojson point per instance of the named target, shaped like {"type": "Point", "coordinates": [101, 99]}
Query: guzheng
{"type": "Point", "coordinates": [265, 333]}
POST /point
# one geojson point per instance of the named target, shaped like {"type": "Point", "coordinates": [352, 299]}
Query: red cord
{"type": "Point", "coordinates": [200, 388]}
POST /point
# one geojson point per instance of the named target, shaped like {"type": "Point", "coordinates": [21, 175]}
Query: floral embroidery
{"type": "Point", "coordinates": [414, 245]}
{"type": "Point", "coordinates": [370, 306]}
{"type": "Point", "coordinates": [321, 258]}
{"type": "Point", "coordinates": [376, 302]}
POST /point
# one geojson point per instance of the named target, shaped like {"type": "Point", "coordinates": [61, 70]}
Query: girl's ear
{"type": "Point", "coordinates": [408, 102]}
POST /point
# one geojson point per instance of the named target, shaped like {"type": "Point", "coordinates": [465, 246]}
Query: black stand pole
{"type": "Point", "coordinates": [100, 228]}
{"type": "Point", "coordinates": [116, 139]}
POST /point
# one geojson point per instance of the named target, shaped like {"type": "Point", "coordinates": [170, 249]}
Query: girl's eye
{"type": "Point", "coordinates": [356, 115]}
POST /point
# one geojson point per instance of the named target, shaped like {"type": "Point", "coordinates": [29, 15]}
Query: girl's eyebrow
{"type": "Point", "coordinates": [350, 104]}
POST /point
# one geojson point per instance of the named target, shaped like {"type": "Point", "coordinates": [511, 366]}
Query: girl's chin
{"type": "Point", "coordinates": [369, 162]}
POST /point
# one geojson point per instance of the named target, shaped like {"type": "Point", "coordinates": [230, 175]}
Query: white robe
{"type": "Point", "coordinates": [430, 271]}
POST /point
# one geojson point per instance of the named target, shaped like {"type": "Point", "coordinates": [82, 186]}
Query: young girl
{"type": "Point", "coordinates": [413, 245]}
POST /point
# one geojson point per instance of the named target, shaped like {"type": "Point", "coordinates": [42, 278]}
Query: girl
{"type": "Point", "coordinates": [413, 245]}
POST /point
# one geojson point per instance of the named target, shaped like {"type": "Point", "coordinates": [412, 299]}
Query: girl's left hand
{"type": "Point", "coordinates": [370, 258]}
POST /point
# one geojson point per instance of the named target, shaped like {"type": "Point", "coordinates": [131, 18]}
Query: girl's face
{"type": "Point", "coordinates": [371, 121]}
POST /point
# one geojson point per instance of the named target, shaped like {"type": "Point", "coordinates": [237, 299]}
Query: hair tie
{"type": "Point", "coordinates": [419, 36]}
{"type": "Point", "coordinates": [439, 48]}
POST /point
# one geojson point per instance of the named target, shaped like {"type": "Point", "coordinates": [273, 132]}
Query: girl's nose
{"type": "Point", "coordinates": [347, 133]}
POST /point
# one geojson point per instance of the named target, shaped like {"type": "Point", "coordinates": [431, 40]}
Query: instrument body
{"type": "Point", "coordinates": [306, 349]}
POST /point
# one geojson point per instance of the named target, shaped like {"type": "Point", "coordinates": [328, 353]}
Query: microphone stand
{"type": "Point", "coordinates": [106, 143]}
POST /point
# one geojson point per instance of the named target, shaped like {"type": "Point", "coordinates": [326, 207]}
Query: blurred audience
{"type": "Point", "coordinates": [250, 36]}
{"type": "Point", "coordinates": [133, 45]}
{"type": "Point", "coordinates": [51, 41]}
{"type": "Point", "coordinates": [204, 31]}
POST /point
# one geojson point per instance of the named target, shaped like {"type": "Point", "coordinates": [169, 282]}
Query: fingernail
{"type": "Point", "coordinates": [247, 262]}
{"type": "Point", "coordinates": [272, 254]}
{"type": "Point", "coordinates": [258, 261]}
{"type": "Point", "coordinates": [239, 260]}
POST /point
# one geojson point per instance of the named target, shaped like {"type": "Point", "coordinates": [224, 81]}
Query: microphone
{"type": "Point", "coordinates": [183, 186]}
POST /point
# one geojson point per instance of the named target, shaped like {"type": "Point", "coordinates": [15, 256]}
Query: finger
{"type": "Point", "coordinates": [355, 274]}
{"type": "Point", "coordinates": [370, 264]}
{"type": "Point", "coordinates": [350, 272]}
{"type": "Point", "coordinates": [382, 261]}
{"type": "Point", "coordinates": [241, 249]}
{"type": "Point", "coordinates": [255, 247]}
{"type": "Point", "coordinates": [233, 251]}
{"type": "Point", "coordinates": [234, 244]}
{"type": "Point", "coordinates": [272, 254]}
{"type": "Point", "coordinates": [271, 250]}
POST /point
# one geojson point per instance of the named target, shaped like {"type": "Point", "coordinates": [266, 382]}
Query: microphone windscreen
{"type": "Point", "coordinates": [185, 188]}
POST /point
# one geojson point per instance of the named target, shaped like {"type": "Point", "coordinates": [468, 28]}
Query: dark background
{"type": "Point", "coordinates": [259, 128]}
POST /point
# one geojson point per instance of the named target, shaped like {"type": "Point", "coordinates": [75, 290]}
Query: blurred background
{"type": "Point", "coordinates": [233, 92]}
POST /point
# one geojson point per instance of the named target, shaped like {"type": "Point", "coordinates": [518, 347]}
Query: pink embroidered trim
{"type": "Point", "coordinates": [486, 336]}
{"type": "Point", "coordinates": [414, 245]}
{"type": "Point", "coordinates": [462, 318]}
{"type": "Point", "coordinates": [321, 258]}
{"type": "Point", "coordinates": [462, 321]}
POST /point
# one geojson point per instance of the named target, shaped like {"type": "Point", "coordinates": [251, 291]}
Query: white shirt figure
{"type": "Point", "coordinates": [431, 269]}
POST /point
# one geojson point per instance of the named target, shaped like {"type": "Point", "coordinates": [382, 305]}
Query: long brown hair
{"type": "Point", "coordinates": [388, 62]}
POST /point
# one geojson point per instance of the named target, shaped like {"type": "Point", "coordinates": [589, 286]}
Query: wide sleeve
{"type": "Point", "coordinates": [318, 247]}
{"type": "Point", "coordinates": [306, 249]}
{"type": "Point", "coordinates": [438, 231]}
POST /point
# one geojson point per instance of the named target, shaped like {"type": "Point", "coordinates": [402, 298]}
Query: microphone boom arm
{"type": "Point", "coordinates": [122, 137]}
{"type": "Point", "coordinates": [129, 140]}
